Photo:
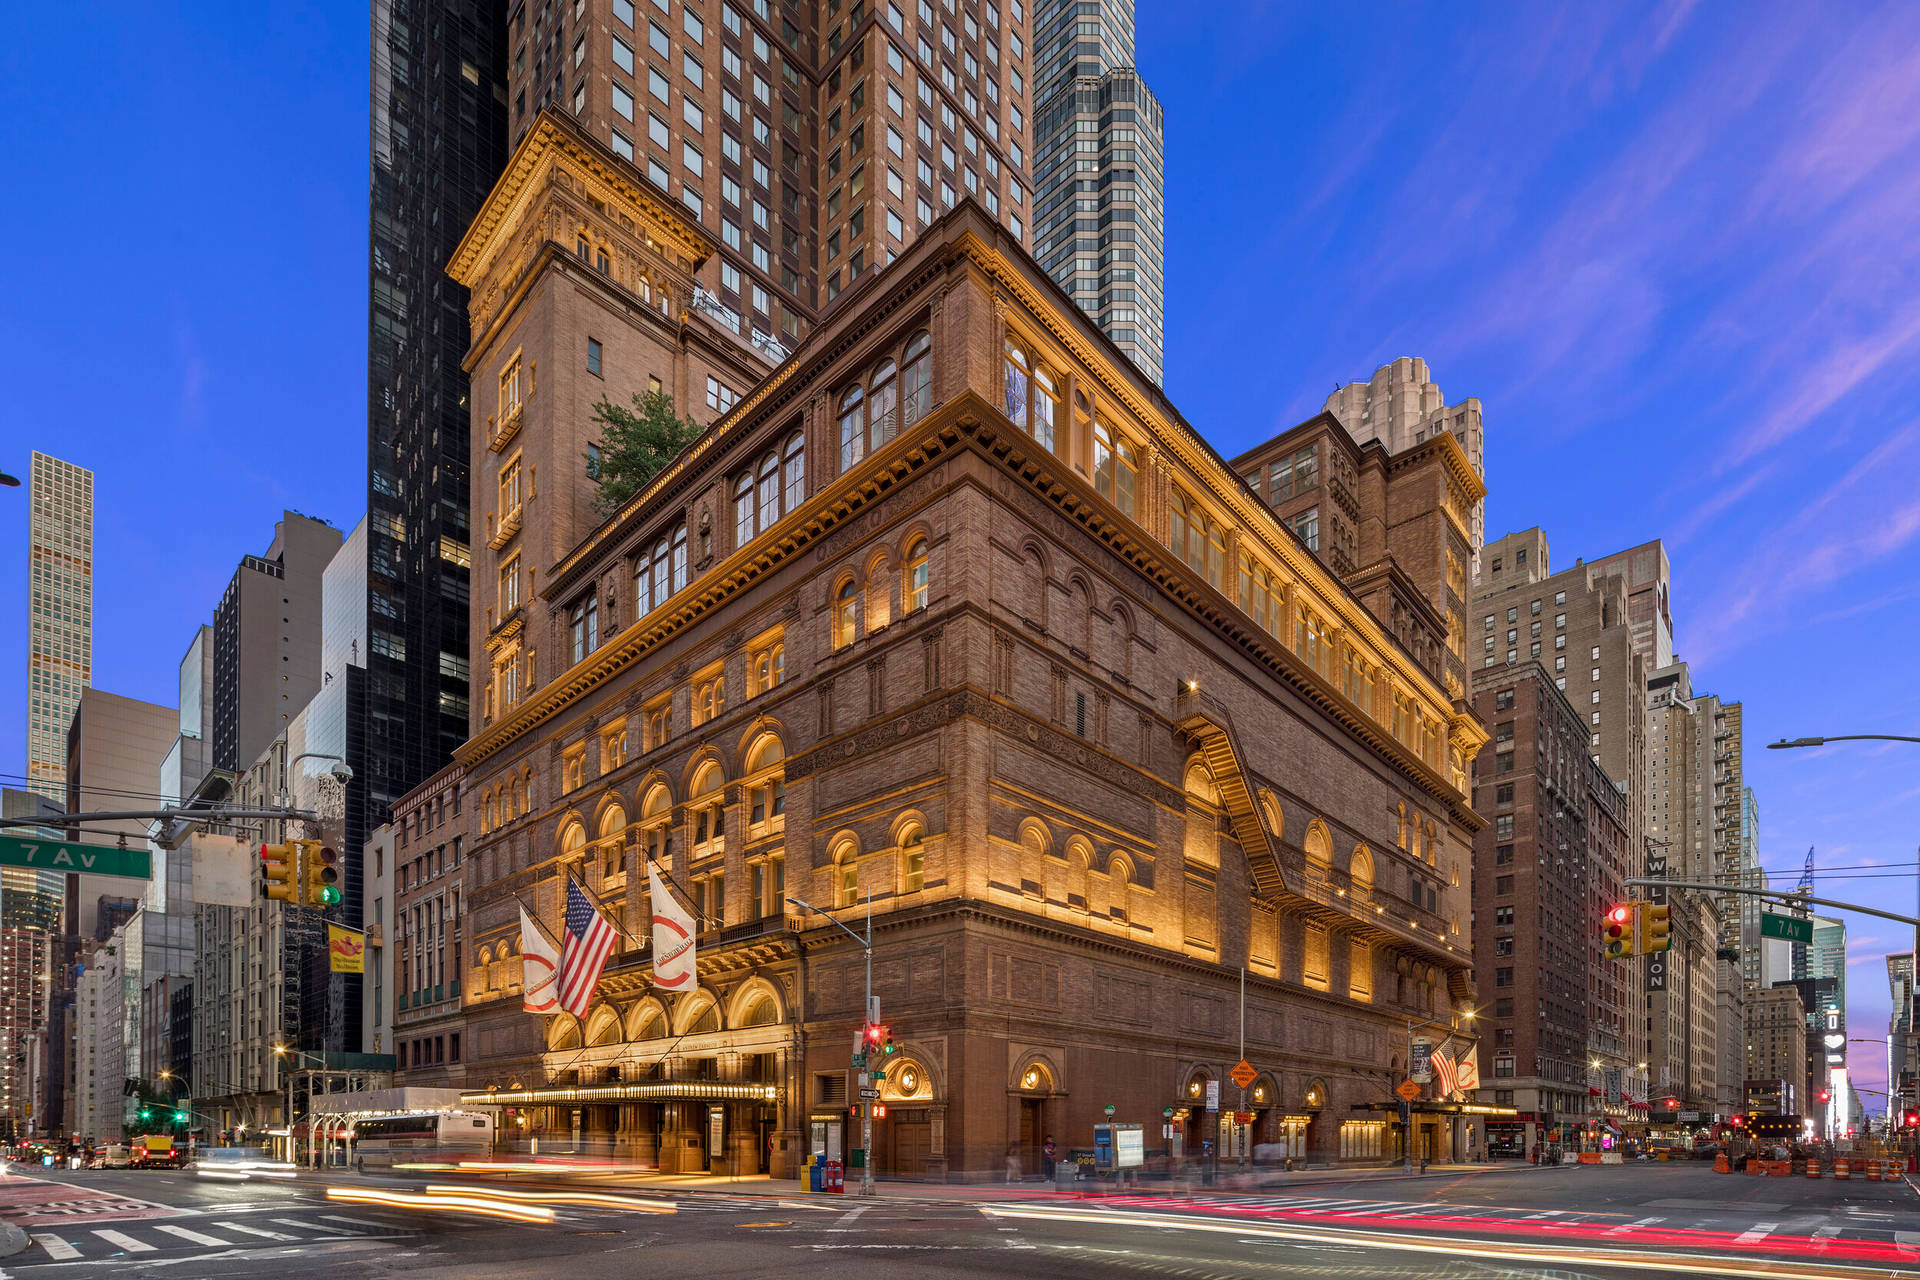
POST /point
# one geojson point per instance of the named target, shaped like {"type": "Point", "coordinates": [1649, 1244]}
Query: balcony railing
{"type": "Point", "coordinates": [508, 526]}
{"type": "Point", "coordinates": [506, 427]}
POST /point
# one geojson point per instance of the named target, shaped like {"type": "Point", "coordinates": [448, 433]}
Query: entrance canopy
{"type": "Point", "coordinates": [643, 1091]}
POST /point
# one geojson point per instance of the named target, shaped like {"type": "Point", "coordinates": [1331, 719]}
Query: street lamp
{"type": "Point", "coordinates": [866, 1014]}
{"type": "Point", "coordinates": [11, 482]}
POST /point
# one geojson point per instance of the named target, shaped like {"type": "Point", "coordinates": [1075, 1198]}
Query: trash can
{"type": "Point", "coordinates": [813, 1176]}
{"type": "Point", "coordinates": [1063, 1174]}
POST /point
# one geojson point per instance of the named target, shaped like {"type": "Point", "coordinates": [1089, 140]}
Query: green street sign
{"type": "Point", "coordinates": [1789, 928]}
{"type": "Point", "coordinates": [68, 855]}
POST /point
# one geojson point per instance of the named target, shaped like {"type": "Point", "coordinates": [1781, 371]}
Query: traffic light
{"type": "Point", "coordinates": [887, 1047]}
{"type": "Point", "coordinates": [1673, 1104]}
{"type": "Point", "coordinates": [320, 875]}
{"type": "Point", "coordinates": [179, 1117]}
{"type": "Point", "coordinates": [283, 870]}
{"type": "Point", "coordinates": [1823, 1095]}
{"type": "Point", "coordinates": [1619, 931]}
{"type": "Point", "coordinates": [146, 1113]}
{"type": "Point", "coordinates": [1655, 921]}
{"type": "Point", "coordinates": [1739, 1122]}
{"type": "Point", "coordinates": [1912, 1118]}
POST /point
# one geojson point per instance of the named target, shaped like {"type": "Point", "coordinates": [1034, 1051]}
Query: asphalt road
{"type": "Point", "coordinates": [1565, 1224]}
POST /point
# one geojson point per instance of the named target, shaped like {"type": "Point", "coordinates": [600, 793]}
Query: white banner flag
{"type": "Point", "coordinates": [539, 968]}
{"type": "Point", "coordinates": [1468, 1071]}
{"type": "Point", "coordinates": [673, 930]}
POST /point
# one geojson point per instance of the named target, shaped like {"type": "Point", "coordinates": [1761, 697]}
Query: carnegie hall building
{"type": "Point", "coordinates": [954, 620]}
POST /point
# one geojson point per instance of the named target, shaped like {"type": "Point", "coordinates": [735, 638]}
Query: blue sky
{"type": "Point", "coordinates": [1674, 248]}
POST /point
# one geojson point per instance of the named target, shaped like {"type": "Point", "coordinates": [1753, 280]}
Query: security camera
{"type": "Point", "coordinates": [341, 773]}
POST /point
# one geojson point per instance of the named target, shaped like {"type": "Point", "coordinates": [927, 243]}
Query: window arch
{"type": "Point", "coordinates": [656, 824]}
{"type": "Point", "coordinates": [769, 489]}
{"type": "Point", "coordinates": [766, 786]}
{"type": "Point", "coordinates": [913, 857]}
{"type": "Point", "coordinates": [656, 576]}
{"type": "Point", "coordinates": [1032, 402]}
{"type": "Point", "coordinates": [916, 379]}
{"type": "Point", "coordinates": [1360, 872]}
{"type": "Point", "coordinates": [853, 421]}
{"type": "Point", "coordinates": [603, 1027]}
{"type": "Point", "coordinates": [1016, 385]}
{"type": "Point", "coordinates": [846, 613]}
{"type": "Point", "coordinates": [1116, 467]}
{"type": "Point", "coordinates": [1318, 847]}
{"type": "Point", "coordinates": [883, 416]}
{"type": "Point", "coordinates": [913, 593]}
{"type": "Point", "coordinates": [613, 838]}
{"type": "Point", "coordinates": [706, 812]}
{"type": "Point", "coordinates": [846, 874]}
{"type": "Point", "coordinates": [572, 840]}
{"type": "Point", "coordinates": [1195, 538]}
{"type": "Point", "coordinates": [760, 1011]}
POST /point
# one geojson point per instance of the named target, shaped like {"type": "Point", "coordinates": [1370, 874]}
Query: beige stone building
{"type": "Point", "coordinates": [1776, 1044]}
{"type": "Point", "coordinates": [956, 618]}
{"type": "Point", "coordinates": [1401, 407]}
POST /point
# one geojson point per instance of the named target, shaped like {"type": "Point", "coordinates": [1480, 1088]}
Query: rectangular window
{"type": "Point", "coordinates": [593, 355]}
{"type": "Point", "coordinates": [622, 54]}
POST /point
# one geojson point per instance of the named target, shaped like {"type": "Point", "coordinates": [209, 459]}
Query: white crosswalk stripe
{"type": "Point", "coordinates": [57, 1249]}
{"type": "Point", "coordinates": [359, 1222]}
{"type": "Point", "coordinates": [125, 1242]}
{"type": "Point", "coordinates": [193, 1237]}
{"type": "Point", "coordinates": [253, 1231]}
{"type": "Point", "coordinates": [306, 1226]}
{"type": "Point", "coordinates": [1758, 1231]}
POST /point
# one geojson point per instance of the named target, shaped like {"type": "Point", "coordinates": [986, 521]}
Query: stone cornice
{"type": "Point", "coordinates": [553, 137]}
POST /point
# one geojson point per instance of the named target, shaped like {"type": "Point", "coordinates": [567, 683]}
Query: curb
{"type": "Point", "coordinates": [12, 1240]}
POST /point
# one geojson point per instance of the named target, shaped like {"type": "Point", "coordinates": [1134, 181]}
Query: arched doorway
{"type": "Point", "coordinates": [1035, 1094]}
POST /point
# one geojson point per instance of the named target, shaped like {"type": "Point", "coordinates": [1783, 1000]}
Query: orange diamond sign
{"type": "Point", "coordinates": [1242, 1073]}
{"type": "Point", "coordinates": [1408, 1090]}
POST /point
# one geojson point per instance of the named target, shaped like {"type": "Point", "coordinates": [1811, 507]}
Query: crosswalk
{"type": "Point", "coordinates": [128, 1238]}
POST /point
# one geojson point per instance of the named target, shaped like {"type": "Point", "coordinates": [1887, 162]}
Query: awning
{"type": "Point", "coordinates": [647, 1091]}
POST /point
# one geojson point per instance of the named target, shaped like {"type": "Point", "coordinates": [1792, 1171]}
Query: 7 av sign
{"type": "Point", "coordinates": [68, 855]}
{"type": "Point", "coordinates": [1790, 928]}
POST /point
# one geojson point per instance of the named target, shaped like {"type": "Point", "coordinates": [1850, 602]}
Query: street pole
{"type": "Point", "coordinates": [1242, 1058]}
{"type": "Point", "coordinates": [866, 1015]}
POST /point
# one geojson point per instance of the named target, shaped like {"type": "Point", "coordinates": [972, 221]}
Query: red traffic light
{"type": "Point", "coordinates": [1738, 1121]}
{"type": "Point", "coordinates": [1620, 914]}
{"type": "Point", "coordinates": [1673, 1104]}
{"type": "Point", "coordinates": [1823, 1095]}
{"type": "Point", "coordinates": [875, 1033]}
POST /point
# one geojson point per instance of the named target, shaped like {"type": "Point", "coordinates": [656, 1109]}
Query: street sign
{"type": "Point", "coordinates": [1421, 1060]}
{"type": "Point", "coordinates": [869, 1093]}
{"type": "Point", "coordinates": [1243, 1117]}
{"type": "Point", "coordinates": [1213, 1095]}
{"type": "Point", "coordinates": [1407, 1089]}
{"type": "Point", "coordinates": [859, 1062]}
{"type": "Point", "coordinates": [1243, 1073]}
{"type": "Point", "coordinates": [1789, 928]}
{"type": "Point", "coordinates": [69, 855]}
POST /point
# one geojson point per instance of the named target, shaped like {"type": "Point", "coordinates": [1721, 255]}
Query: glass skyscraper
{"type": "Point", "coordinates": [439, 141]}
{"type": "Point", "coordinates": [1099, 173]}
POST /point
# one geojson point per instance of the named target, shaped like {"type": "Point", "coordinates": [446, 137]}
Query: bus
{"type": "Point", "coordinates": [426, 1137]}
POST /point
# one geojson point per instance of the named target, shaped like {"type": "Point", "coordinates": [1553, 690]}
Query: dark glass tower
{"type": "Point", "coordinates": [439, 140]}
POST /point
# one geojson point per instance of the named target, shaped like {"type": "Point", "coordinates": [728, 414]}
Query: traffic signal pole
{"type": "Point", "coordinates": [1783, 897]}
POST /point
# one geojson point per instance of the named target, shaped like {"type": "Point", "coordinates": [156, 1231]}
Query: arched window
{"type": "Point", "coordinates": [1016, 386]}
{"type": "Point", "coordinates": [605, 1028]}
{"type": "Point", "coordinates": [1360, 872]}
{"type": "Point", "coordinates": [766, 787]}
{"type": "Point", "coordinates": [846, 875]}
{"type": "Point", "coordinates": [846, 614]}
{"type": "Point", "coordinates": [1319, 849]}
{"type": "Point", "coordinates": [1116, 469]}
{"type": "Point", "coordinates": [743, 525]}
{"type": "Point", "coordinates": [769, 490]}
{"type": "Point", "coordinates": [795, 468]}
{"type": "Point", "coordinates": [572, 840]}
{"type": "Point", "coordinates": [656, 826]}
{"type": "Point", "coordinates": [914, 592]}
{"type": "Point", "coordinates": [679, 557]}
{"type": "Point", "coordinates": [707, 1019]}
{"type": "Point", "coordinates": [883, 413]}
{"type": "Point", "coordinates": [853, 435]}
{"type": "Point", "coordinates": [769, 667]}
{"type": "Point", "coordinates": [658, 575]}
{"type": "Point", "coordinates": [761, 1011]}
{"type": "Point", "coordinates": [913, 859]}
{"type": "Point", "coordinates": [1196, 539]}
{"type": "Point", "coordinates": [706, 812]}
{"type": "Point", "coordinates": [613, 844]}
{"type": "Point", "coordinates": [1046, 406]}
{"type": "Point", "coordinates": [916, 379]}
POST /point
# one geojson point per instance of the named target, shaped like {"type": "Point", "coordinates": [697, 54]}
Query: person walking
{"type": "Point", "coordinates": [1047, 1153]}
{"type": "Point", "coordinates": [1013, 1162]}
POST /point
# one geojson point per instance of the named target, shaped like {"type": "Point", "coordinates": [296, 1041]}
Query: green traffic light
{"type": "Point", "coordinates": [329, 896]}
{"type": "Point", "coordinates": [146, 1113]}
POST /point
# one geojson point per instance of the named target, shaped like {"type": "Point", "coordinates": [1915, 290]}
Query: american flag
{"type": "Point", "coordinates": [1443, 1073]}
{"type": "Point", "coordinates": [583, 952]}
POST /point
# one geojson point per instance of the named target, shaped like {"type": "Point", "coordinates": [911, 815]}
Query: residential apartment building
{"type": "Point", "coordinates": [1575, 623]}
{"type": "Point", "coordinates": [1534, 914]}
{"type": "Point", "coordinates": [1776, 1044]}
{"type": "Point", "coordinates": [376, 1009]}
{"type": "Point", "coordinates": [98, 1108]}
{"type": "Point", "coordinates": [59, 614]}
{"type": "Point", "coordinates": [438, 81]}
{"type": "Point", "coordinates": [948, 616]}
{"type": "Point", "coordinates": [26, 968]}
{"type": "Point", "coordinates": [430, 866]}
{"type": "Point", "coordinates": [1099, 173]}
{"type": "Point", "coordinates": [810, 144]}
{"type": "Point", "coordinates": [36, 1034]}
{"type": "Point", "coordinates": [1900, 1034]}
{"type": "Point", "coordinates": [1401, 406]}
{"type": "Point", "coordinates": [266, 639]}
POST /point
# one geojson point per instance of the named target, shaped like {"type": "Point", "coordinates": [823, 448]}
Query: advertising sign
{"type": "Point", "coordinates": [1420, 1063]}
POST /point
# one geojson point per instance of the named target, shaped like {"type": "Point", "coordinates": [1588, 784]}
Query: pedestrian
{"type": "Point", "coordinates": [1013, 1163]}
{"type": "Point", "coordinates": [1048, 1152]}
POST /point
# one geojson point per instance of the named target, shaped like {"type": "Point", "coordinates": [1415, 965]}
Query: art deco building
{"type": "Point", "coordinates": [956, 619]}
